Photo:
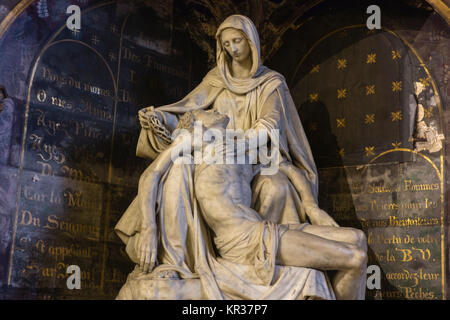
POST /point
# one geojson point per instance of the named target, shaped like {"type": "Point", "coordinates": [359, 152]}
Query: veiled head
{"type": "Point", "coordinates": [242, 24]}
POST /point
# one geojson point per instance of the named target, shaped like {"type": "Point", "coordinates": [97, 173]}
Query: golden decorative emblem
{"type": "Point", "coordinates": [396, 54]}
{"type": "Point", "coordinates": [315, 69]}
{"type": "Point", "coordinates": [341, 64]}
{"type": "Point", "coordinates": [369, 151]}
{"type": "Point", "coordinates": [396, 144]}
{"type": "Point", "coordinates": [370, 118]}
{"type": "Point", "coordinates": [428, 112]}
{"type": "Point", "coordinates": [396, 116]}
{"type": "Point", "coordinates": [396, 86]}
{"type": "Point", "coordinates": [370, 89]}
{"type": "Point", "coordinates": [342, 152]}
{"type": "Point", "coordinates": [342, 93]}
{"type": "Point", "coordinates": [340, 123]}
{"type": "Point", "coordinates": [314, 97]}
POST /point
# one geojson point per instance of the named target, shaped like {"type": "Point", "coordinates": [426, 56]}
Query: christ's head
{"type": "Point", "coordinates": [209, 119]}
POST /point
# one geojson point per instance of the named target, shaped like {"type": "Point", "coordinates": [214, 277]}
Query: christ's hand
{"type": "Point", "coordinates": [319, 217]}
{"type": "Point", "coordinates": [147, 249]}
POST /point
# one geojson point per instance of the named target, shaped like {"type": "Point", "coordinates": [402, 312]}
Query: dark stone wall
{"type": "Point", "coordinates": [364, 140]}
{"type": "Point", "coordinates": [69, 170]}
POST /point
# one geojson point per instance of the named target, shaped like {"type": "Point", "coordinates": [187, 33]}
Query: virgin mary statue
{"type": "Point", "coordinates": [165, 232]}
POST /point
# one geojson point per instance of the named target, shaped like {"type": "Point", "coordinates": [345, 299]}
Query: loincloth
{"type": "Point", "coordinates": [254, 243]}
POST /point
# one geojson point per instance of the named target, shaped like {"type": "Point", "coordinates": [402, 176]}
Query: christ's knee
{"type": "Point", "coordinates": [360, 239]}
{"type": "Point", "coordinates": [358, 259]}
{"type": "Point", "coordinates": [356, 237]}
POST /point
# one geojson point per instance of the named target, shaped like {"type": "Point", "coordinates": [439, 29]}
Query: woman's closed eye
{"type": "Point", "coordinates": [236, 40]}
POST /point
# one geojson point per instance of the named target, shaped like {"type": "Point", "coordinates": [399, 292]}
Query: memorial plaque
{"type": "Point", "coordinates": [400, 208]}
{"type": "Point", "coordinates": [363, 97]}
{"type": "Point", "coordinates": [79, 169]}
{"type": "Point", "coordinates": [65, 168]}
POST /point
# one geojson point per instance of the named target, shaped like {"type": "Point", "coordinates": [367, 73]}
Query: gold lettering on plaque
{"type": "Point", "coordinates": [41, 96]}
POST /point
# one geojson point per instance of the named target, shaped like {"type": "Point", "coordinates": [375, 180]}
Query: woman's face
{"type": "Point", "coordinates": [235, 44]}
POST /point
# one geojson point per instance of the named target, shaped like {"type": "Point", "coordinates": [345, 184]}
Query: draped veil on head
{"type": "Point", "coordinates": [246, 26]}
{"type": "Point", "coordinates": [258, 73]}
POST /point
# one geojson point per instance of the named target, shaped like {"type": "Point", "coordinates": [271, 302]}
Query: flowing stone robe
{"type": "Point", "coordinates": [261, 102]}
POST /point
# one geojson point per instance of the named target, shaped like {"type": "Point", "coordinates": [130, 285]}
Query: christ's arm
{"type": "Point", "coordinates": [147, 195]}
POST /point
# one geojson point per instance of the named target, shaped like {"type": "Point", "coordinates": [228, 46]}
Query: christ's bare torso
{"type": "Point", "coordinates": [224, 194]}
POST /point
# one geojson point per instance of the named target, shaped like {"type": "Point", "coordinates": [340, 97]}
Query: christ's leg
{"type": "Point", "coordinates": [348, 235]}
{"type": "Point", "coordinates": [303, 249]}
{"type": "Point", "coordinates": [340, 234]}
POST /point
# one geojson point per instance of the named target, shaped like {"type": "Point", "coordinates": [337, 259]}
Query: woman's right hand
{"type": "Point", "coordinates": [147, 249]}
{"type": "Point", "coordinates": [319, 217]}
{"type": "Point", "coordinates": [144, 116]}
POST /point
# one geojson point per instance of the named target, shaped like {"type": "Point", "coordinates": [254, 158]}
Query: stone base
{"type": "Point", "coordinates": [141, 287]}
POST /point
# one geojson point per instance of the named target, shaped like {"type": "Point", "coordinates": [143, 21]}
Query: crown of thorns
{"type": "Point", "coordinates": [150, 121]}
{"type": "Point", "coordinates": [186, 121]}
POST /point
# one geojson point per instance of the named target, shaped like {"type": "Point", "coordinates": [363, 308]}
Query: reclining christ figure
{"type": "Point", "coordinates": [249, 246]}
{"type": "Point", "coordinates": [192, 230]}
